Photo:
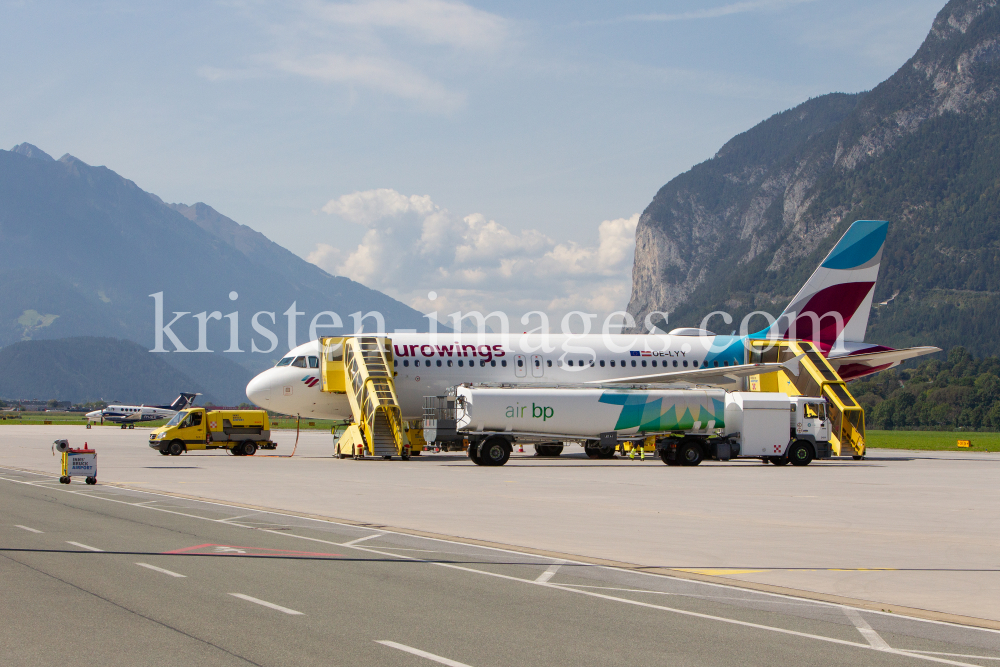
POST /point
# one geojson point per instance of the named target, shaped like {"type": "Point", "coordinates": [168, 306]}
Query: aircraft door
{"type": "Point", "coordinates": [537, 366]}
{"type": "Point", "coordinates": [519, 366]}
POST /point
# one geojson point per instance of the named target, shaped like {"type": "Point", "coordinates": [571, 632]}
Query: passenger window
{"type": "Point", "coordinates": [633, 363]}
{"type": "Point", "coordinates": [725, 363]}
{"type": "Point", "coordinates": [492, 363]}
{"type": "Point", "coordinates": [548, 362]}
{"type": "Point", "coordinates": [654, 363]}
{"type": "Point", "coordinates": [602, 363]}
{"type": "Point", "coordinates": [696, 363]}
{"type": "Point", "coordinates": [395, 363]}
{"type": "Point", "coordinates": [569, 362]}
{"type": "Point", "coordinates": [503, 362]}
{"type": "Point", "coordinates": [284, 362]}
{"type": "Point", "coordinates": [612, 363]}
{"type": "Point", "coordinates": [685, 364]}
{"type": "Point", "coordinates": [643, 363]}
{"type": "Point", "coordinates": [300, 362]}
{"type": "Point", "coordinates": [406, 363]}
{"type": "Point", "coordinates": [449, 363]}
{"type": "Point", "coordinates": [675, 363]}
{"type": "Point", "coordinates": [439, 363]}
{"type": "Point", "coordinates": [460, 362]}
{"type": "Point", "coordinates": [537, 363]}
{"type": "Point", "coordinates": [715, 364]}
{"type": "Point", "coordinates": [196, 419]}
{"type": "Point", "coordinates": [520, 363]}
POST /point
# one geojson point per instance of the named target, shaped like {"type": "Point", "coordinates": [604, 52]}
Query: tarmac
{"type": "Point", "coordinates": [902, 531]}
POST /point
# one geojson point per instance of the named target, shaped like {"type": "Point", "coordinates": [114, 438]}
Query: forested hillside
{"type": "Point", "coordinates": [743, 231]}
{"type": "Point", "coordinates": [958, 392]}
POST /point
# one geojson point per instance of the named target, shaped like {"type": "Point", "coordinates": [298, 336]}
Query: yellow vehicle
{"type": "Point", "coordinates": [242, 432]}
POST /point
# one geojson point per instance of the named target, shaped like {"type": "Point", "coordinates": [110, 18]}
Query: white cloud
{"type": "Point", "coordinates": [382, 74]}
{"type": "Point", "coordinates": [431, 21]}
{"type": "Point", "coordinates": [413, 246]}
{"type": "Point", "coordinates": [386, 46]}
{"type": "Point", "coordinates": [718, 12]}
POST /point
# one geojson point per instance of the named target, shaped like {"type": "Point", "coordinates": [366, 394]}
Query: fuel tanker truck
{"type": "Point", "coordinates": [688, 425]}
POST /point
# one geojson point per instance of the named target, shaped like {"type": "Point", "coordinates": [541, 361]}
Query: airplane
{"type": "Point", "coordinates": [830, 310]}
{"type": "Point", "coordinates": [128, 415]}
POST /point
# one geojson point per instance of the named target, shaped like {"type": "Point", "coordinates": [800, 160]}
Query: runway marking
{"type": "Point", "coordinates": [362, 539]}
{"type": "Point", "coordinates": [866, 631]}
{"type": "Point", "coordinates": [955, 655]}
{"type": "Point", "coordinates": [423, 654]}
{"type": "Point", "coordinates": [911, 654]}
{"type": "Point", "coordinates": [269, 605]}
{"type": "Point", "coordinates": [715, 571]}
{"type": "Point", "coordinates": [648, 605]}
{"type": "Point", "coordinates": [30, 530]}
{"type": "Point", "coordinates": [160, 569]}
{"type": "Point", "coordinates": [233, 550]}
{"type": "Point", "coordinates": [84, 546]}
{"type": "Point", "coordinates": [691, 595]}
{"type": "Point", "coordinates": [549, 573]}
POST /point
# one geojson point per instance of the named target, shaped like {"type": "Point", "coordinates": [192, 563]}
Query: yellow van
{"type": "Point", "coordinates": [242, 432]}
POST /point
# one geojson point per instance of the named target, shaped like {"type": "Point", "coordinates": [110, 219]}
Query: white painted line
{"type": "Point", "coordinates": [84, 546]}
{"type": "Point", "coordinates": [361, 539]}
{"type": "Point", "coordinates": [160, 569]}
{"type": "Point", "coordinates": [953, 655]}
{"type": "Point", "coordinates": [30, 530]}
{"type": "Point", "coordinates": [423, 654]}
{"type": "Point", "coordinates": [548, 574]}
{"type": "Point", "coordinates": [269, 605]}
{"type": "Point", "coordinates": [866, 631]}
{"type": "Point", "coordinates": [913, 654]}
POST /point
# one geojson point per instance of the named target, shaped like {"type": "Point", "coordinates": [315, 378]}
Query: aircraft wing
{"type": "Point", "coordinates": [724, 375]}
{"type": "Point", "coordinates": [857, 365]}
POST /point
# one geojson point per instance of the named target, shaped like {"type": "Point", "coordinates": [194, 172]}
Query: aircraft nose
{"type": "Point", "coordinates": [259, 390]}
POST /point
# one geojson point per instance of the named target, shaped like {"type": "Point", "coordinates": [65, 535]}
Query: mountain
{"type": "Point", "coordinates": [83, 249]}
{"type": "Point", "coordinates": [89, 368]}
{"type": "Point", "coordinates": [742, 231]}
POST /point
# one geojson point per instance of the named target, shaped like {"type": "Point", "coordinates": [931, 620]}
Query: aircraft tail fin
{"type": "Point", "coordinates": [837, 298]}
{"type": "Point", "coordinates": [183, 401]}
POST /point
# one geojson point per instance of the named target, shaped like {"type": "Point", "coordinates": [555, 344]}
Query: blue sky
{"type": "Point", "coordinates": [496, 153]}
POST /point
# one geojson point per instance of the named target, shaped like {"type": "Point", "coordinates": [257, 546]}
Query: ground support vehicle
{"type": "Point", "coordinates": [685, 426]}
{"type": "Point", "coordinates": [241, 432]}
{"type": "Point", "coordinates": [80, 462]}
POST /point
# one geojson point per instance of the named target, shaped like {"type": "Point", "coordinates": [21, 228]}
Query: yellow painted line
{"type": "Point", "coordinates": [716, 572]}
{"type": "Point", "coordinates": [719, 572]}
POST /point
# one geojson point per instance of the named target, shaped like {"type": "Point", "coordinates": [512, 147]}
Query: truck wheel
{"type": "Point", "coordinates": [779, 460]}
{"type": "Point", "coordinates": [670, 462]}
{"type": "Point", "coordinates": [690, 453]}
{"type": "Point", "coordinates": [800, 453]}
{"type": "Point", "coordinates": [473, 453]}
{"type": "Point", "coordinates": [248, 447]}
{"type": "Point", "coordinates": [495, 451]}
{"type": "Point", "coordinates": [857, 458]}
{"type": "Point", "coordinates": [549, 450]}
{"type": "Point", "coordinates": [592, 451]}
{"type": "Point", "coordinates": [177, 448]}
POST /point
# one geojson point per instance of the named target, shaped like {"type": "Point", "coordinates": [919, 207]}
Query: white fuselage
{"type": "Point", "coordinates": [131, 413]}
{"type": "Point", "coordinates": [431, 364]}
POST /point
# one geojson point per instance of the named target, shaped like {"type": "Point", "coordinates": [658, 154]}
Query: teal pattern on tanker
{"type": "Point", "coordinates": [646, 414]}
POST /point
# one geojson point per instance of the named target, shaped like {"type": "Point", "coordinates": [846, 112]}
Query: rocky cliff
{"type": "Point", "coordinates": [743, 230]}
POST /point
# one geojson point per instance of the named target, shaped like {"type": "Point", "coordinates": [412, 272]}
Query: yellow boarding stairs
{"type": "Point", "coordinates": [361, 368]}
{"type": "Point", "coordinates": [816, 378]}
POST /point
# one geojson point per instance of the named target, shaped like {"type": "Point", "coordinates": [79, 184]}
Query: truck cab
{"type": "Point", "coordinates": [242, 432]}
{"type": "Point", "coordinates": [810, 422]}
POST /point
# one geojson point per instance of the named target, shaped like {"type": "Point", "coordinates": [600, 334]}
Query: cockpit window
{"type": "Point", "coordinates": [313, 362]}
{"type": "Point", "coordinates": [300, 362]}
{"type": "Point", "coordinates": [284, 362]}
